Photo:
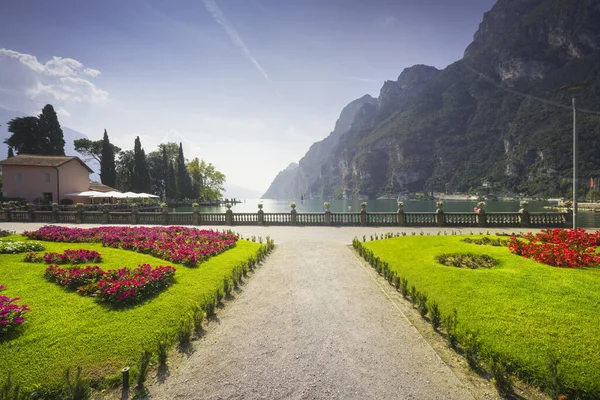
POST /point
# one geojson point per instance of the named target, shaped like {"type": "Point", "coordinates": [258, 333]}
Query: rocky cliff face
{"type": "Point", "coordinates": [477, 120]}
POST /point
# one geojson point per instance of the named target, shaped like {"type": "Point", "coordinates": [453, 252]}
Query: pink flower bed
{"type": "Point", "coordinates": [119, 286]}
{"type": "Point", "coordinates": [66, 257]}
{"type": "Point", "coordinates": [11, 314]}
{"type": "Point", "coordinates": [181, 245]}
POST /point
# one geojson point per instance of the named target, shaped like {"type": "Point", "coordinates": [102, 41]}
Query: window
{"type": "Point", "coordinates": [19, 177]}
{"type": "Point", "coordinates": [47, 177]}
{"type": "Point", "coordinates": [48, 196]}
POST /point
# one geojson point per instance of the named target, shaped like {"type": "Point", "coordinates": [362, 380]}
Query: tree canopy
{"type": "Point", "coordinates": [108, 169]}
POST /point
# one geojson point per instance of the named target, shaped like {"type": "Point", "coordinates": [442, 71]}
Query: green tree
{"type": "Point", "coordinates": [92, 149]}
{"type": "Point", "coordinates": [206, 179]}
{"type": "Point", "coordinates": [108, 169]}
{"type": "Point", "coordinates": [165, 165]}
{"type": "Point", "coordinates": [184, 183]}
{"type": "Point", "coordinates": [10, 152]}
{"type": "Point", "coordinates": [593, 195]}
{"type": "Point", "coordinates": [125, 167]}
{"type": "Point", "coordinates": [172, 191]}
{"type": "Point", "coordinates": [26, 137]}
{"type": "Point", "coordinates": [141, 178]}
{"type": "Point", "coordinates": [50, 128]}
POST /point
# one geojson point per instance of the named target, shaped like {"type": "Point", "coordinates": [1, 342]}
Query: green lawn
{"type": "Point", "coordinates": [66, 329]}
{"type": "Point", "coordinates": [521, 309]}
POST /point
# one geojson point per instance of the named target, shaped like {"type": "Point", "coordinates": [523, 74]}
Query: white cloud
{"type": "Point", "coordinates": [62, 112]}
{"type": "Point", "coordinates": [219, 17]}
{"type": "Point", "coordinates": [58, 80]}
{"type": "Point", "coordinates": [91, 72]}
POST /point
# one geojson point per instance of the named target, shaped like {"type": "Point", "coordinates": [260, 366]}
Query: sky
{"type": "Point", "coordinates": [247, 85]}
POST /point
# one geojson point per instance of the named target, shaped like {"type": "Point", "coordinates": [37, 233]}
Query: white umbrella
{"type": "Point", "coordinates": [132, 195]}
{"type": "Point", "coordinates": [89, 193]}
{"type": "Point", "coordinates": [116, 195]}
{"type": "Point", "coordinates": [148, 196]}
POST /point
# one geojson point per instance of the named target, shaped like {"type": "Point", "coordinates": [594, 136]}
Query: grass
{"type": "Point", "coordinates": [64, 329]}
{"type": "Point", "coordinates": [521, 309]}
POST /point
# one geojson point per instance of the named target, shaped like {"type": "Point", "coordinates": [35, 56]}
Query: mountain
{"type": "Point", "coordinates": [70, 135]}
{"type": "Point", "coordinates": [238, 192]}
{"type": "Point", "coordinates": [491, 116]}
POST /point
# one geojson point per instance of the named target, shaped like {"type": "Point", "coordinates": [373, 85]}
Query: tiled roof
{"type": "Point", "coordinates": [41, 161]}
{"type": "Point", "coordinates": [99, 187]}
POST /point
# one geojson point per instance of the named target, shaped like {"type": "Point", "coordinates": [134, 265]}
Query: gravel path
{"type": "Point", "coordinates": [312, 324]}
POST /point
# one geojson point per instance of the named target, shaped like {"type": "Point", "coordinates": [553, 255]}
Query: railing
{"type": "Point", "coordinates": [247, 218]}
{"type": "Point", "coordinates": [180, 218]}
{"type": "Point", "coordinates": [93, 217]}
{"type": "Point", "coordinates": [150, 218]}
{"type": "Point", "coordinates": [347, 219]}
{"type": "Point", "coordinates": [420, 219]}
{"type": "Point", "coordinates": [397, 219]}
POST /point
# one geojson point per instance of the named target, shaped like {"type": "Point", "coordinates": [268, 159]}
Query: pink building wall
{"type": "Point", "coordinates": [34, 182]}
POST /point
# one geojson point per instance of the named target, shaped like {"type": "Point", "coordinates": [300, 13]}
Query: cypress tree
{"type": "Point", "coordinates": [141, 178]}
{"type": "Point", "coordinates": [50, 128]}
{"type": "Point", "coordinates": [173, 193]}
{"type": "Point", "coordinates": [184, 183]}
{"type": "Point", "coordinates": [165, 171]}
{"type": "Point", "coordinates": [108, 169]}
{"type": "Point", "coordinates": [10, 152]}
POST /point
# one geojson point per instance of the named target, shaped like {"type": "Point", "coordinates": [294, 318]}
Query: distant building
{"type": "Point", "coordinates": [38, 178]}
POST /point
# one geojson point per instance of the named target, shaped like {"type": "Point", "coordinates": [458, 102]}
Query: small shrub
{"type": "Point", "coordinates": [451, 324]}
{"type": "Point", "coordinates": [218, 296]}
{"type": "Point", "coordinates": [471, 343]}
{"type": "Point", "coordinates": [555, 384]}
{"type": "Point", "coordinates": [209, 306]}
{"type": "Point", "coordinates": [8, 390]}
{"type": "Point", "coordinates": [162, 347]}
{"type": "Point", "coordinates": [470, 261]}
{"type": "Point", "coordinates": [185, 329]}
{"type": "Point", "coordinates": [404, 287]}
{"type": "Point", "coordinates": [197, 316]}
{"type": "Point", "coordinates": [144, 365]}
{"type": "Point", "coordinates": [396, 282]}
{"type": "Point", "coordinates": [413, 295]}
{"type": "Point", "coordinates": [226, 286]}
{"type": "Point", "coordinates": [500, 375]}
{"type": "Point", "coordinates": [78, 388]}
{"type": "Point", "coordinates": [422, 303]}
{"type": "Point", "coordinates": [435, 314]}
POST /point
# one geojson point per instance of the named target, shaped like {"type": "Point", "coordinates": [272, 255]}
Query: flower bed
{"type": "Point", "coordinates": [119, 286]}
{"type": "Point", "coordinates": [187, 246]}
{"type": "Point", "coordinates": [11, 314]}
{"type": "Point", "coordinates": [13, 247]}
{"type": "Point", "coordinates": [66, 257]}
{"type": "Point", "coordinates": [564, 248]}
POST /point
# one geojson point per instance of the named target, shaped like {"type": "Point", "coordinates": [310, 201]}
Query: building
{"type": "Point", "coordinates": [43, 179]}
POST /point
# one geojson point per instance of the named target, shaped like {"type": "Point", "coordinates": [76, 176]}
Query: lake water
{"type": "Point", "coordinates": [584, 219]}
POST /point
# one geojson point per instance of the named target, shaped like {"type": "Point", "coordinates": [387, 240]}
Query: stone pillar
{"type": "Point", "coordinates": [195, 215]}
{"type": "Point", "coordinates": [439, 214]}
{"type": "Point", "coordinates": [261, 217]}
{"type": "Point", "coordinates": [401, 220]}
{"type": "Point", "coordinates": [54, 212]}
{"type": "Point", "coordinates": [8, 213]}
{"type": "Point", "coordinates": [294, 216]}
{"type": "Point", "coordinates": [105, 216]}
{"type": "Point", "coordinates": [363, 213]}
{"type": "Point", "coordinates": [229, 217]}
{"type": "Point", "coordinates": [134, 214]}
{"type": "Point", "coordinates": [481, 218]}
{"type": "Point", "coordinates": [525, 221]}
{"type": "Point", "coordinates": [327, 217]}
{"type": "Point", "coordinates": [79, 213]}
{"type": "Point", "coordinates": [30, 212]}
{"type": "Point", "coordinates": [165, 214]}
{"type": "Point", "coordinates": [569, 218]}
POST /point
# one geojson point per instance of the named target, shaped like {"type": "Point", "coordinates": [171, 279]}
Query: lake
{"type": "Point", "coordinates": [587, 219]}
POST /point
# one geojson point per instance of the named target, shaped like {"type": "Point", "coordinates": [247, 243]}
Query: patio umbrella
{"type": "Point", "coordinates": [132, 195]}
{"type": "Point", "coordinates": [148, 196]}
{"type": "Point", "coordinates": [114, 194]}
{"type": "Point", "coordinates": [88, 193]}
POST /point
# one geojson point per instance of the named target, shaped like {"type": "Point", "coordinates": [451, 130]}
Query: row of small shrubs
{"type": "Point", "coordinates": [389, 235]}
{"type": "Point", "coordinates": [191, 322]}
{"type": "Point", "coordinates": [461, 339]}
{"type": "Point", "coordinates": [66, 257]}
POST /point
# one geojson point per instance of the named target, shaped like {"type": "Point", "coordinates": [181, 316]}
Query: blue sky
{"type": "Point", "coordinates": [248, 85]}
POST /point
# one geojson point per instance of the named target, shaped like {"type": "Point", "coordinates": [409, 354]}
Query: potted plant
{"type": "Point", "coordinates": [260, 206]}
{"type": "Point", "coordinates": [363, 205]}
{"type": "Point", "coordinates": [400, 205]}
{"type": "Point", "coordinates": [327, 205]}
{"type": "Point", "coordinates": [293, 205]}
